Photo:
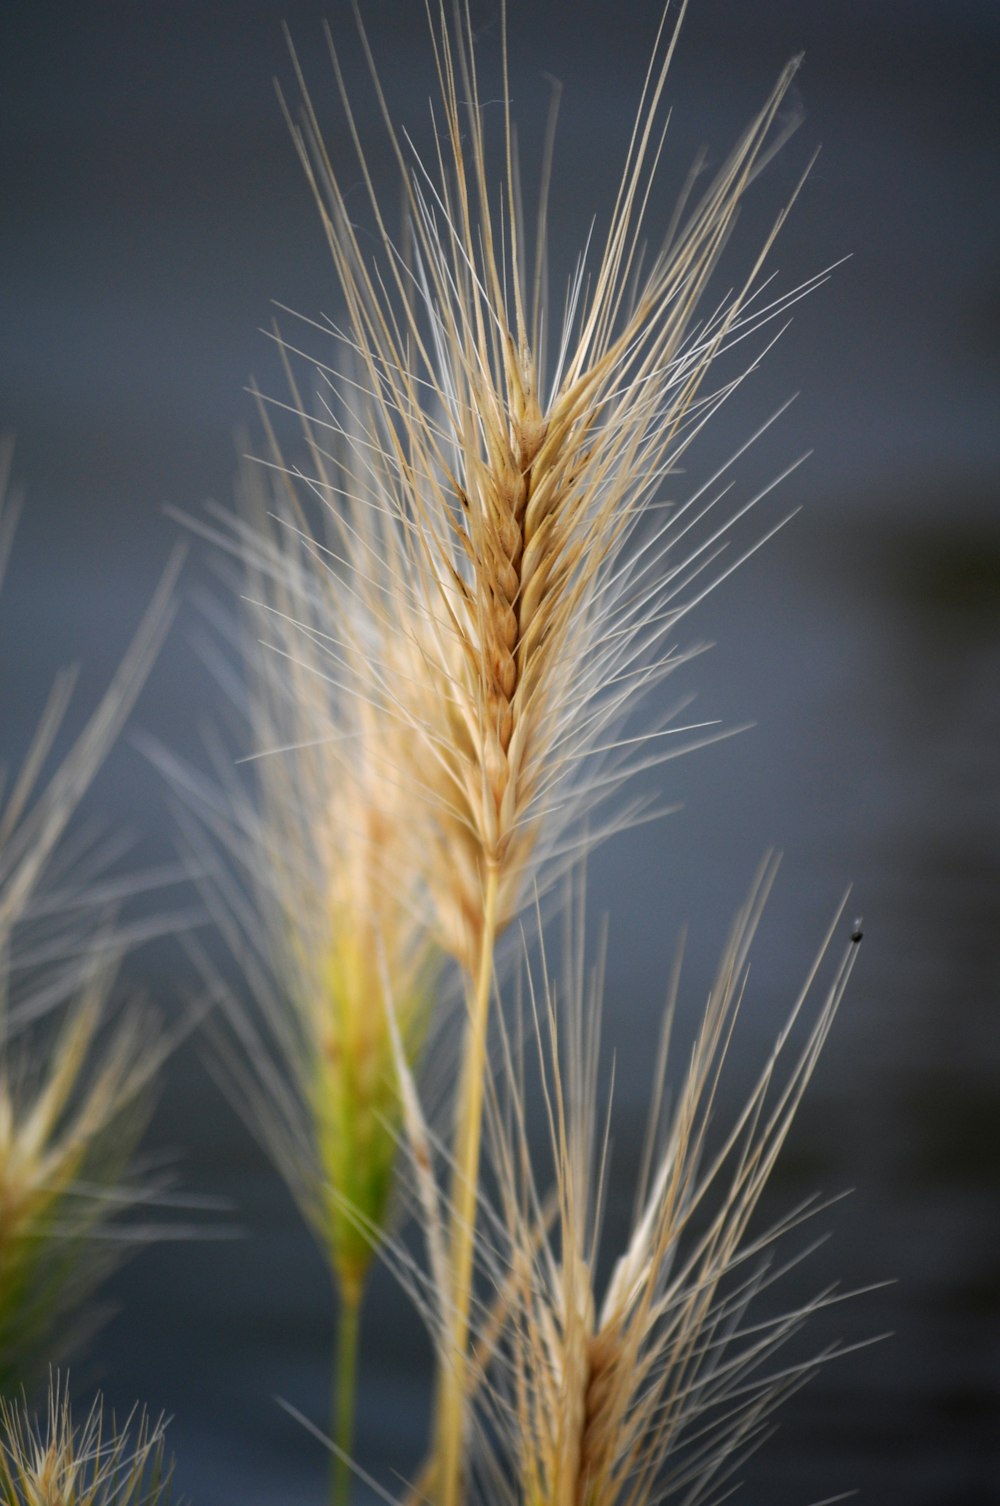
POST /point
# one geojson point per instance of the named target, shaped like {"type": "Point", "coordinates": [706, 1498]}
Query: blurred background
{"type": "Point", "coordinates": [153, 208]}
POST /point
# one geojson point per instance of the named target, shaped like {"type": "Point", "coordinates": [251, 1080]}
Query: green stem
{"type": "Point", "coordinates": [343, 1400]}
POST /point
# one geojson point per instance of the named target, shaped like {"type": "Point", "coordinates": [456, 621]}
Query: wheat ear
{"type": "Point", "coordinates": [512, 483]}
{"type": "Point", "coordinates": [656, 1389]}
{"type": "Point", "coordinates": [310, 876]}
{"type": "Point", "coordinates": [73, 1089]}
{"type": "Point", "coordinates": [59, 1463]}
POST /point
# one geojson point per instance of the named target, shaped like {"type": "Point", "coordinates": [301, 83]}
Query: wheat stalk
{"type": "Point", "coordinates": [311, 878]}
{"type": "Point", "coordinates": [536, 591]}
{"type": "Point", "coordinates": [515, 490]}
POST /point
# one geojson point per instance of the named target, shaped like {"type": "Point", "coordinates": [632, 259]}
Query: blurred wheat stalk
{"type": "Point", "coordinates": [73, 1084]}
{"type": "Point", "coordinates": [309, 876]}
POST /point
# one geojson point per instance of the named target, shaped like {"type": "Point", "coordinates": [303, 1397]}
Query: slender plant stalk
{"type": "Point", "coordinates": [345, 1386]}
{"type": "Point", "coordinates": [451, 1418]}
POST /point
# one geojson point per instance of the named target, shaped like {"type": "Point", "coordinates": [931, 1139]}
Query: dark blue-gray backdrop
{"type": "Point", "coordinates": [152, 206]}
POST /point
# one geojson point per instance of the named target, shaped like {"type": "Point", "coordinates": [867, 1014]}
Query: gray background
{"type": "Point", "coordinates": [152, 206]}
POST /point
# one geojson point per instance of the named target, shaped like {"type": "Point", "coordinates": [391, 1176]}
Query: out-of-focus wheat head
{"type": "Point", "coordinates": [322, 903]}
{"type": "Point", "coordinates": [658, 1388]}
{"type": "Point", "coordinates": [54, 1463]}
{"type": "Point", "coordinates": [71, 1112]}
{"type": "Point", "coordinates": [71, 1082]}
{"type": "Point", "coordinates": [510, 453]}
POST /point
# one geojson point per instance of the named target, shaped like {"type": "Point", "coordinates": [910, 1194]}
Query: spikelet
{"type": "Point", "coordinates": [658, 1388]}
{"type": "Point", "coordinates": [71, 1084]}
{"type": "Point", "coordinates": [536, 591]}
{"type": "Point", "coordinates": [92, 1464]}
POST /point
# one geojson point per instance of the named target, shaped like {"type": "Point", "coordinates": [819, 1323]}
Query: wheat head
{"type": "Point", "coordinates": [59, 1463]}
{"type": "Point", "coordinates": [73, 1082]}
{"type": "Point", "coordinates": [657, 1387]}
{"type": "Point", "coordinates": [536, 592]}
{"type": "Point", "coordinates": [308, 872]}
{"type": "Point", "coordinates": [507, 585]}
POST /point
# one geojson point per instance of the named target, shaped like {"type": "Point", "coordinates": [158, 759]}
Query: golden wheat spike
{"type": "Point", "coordinates": [517, 586]}
{"type": "Point", "coordinates": [654, 1388]}
{"type": "Point", "coordinates": [509, 495]}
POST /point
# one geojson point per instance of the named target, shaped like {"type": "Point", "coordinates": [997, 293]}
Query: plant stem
{"type": "Point", "coordinates": [465, 1183]}
{"type": "Point", "coordinates": [343, 1400]}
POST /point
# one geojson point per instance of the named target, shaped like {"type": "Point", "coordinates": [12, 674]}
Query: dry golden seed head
{"type": "Point", "coordinates": [69, 1104]}
{"type": "Point", "coordinates": [571, 1422]}
{"type": "Point", "coordinates": [517, 496]}
{"type": "Point", "coordinates": [59, 1463]}
{"type": "Point", "coordinates": [66, 1138]}
{"type": "Point", "coordinates": [673, 1369]}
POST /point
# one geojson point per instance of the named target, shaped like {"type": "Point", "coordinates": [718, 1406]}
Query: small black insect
{"type": "Point", "coordinates": [856, 931]}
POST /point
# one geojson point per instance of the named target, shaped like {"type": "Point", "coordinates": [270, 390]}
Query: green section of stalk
{"type": "Point", "coordinates": [469, 1118]}
{"type": "Point", "coordinates": [345, 1384]}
